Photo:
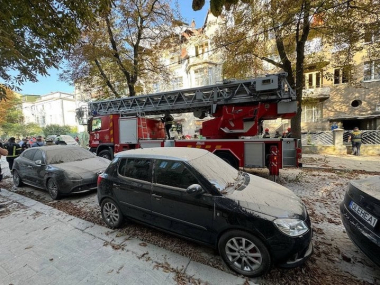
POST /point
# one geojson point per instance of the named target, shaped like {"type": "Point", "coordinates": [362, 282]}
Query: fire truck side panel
{"type": "Point", "coordinates": [254, 154]}
{"type": "Point", "coordinates": [245, 153]}
{"type": "Point", "coordinates": [151, 143]}
{"type": "Point", "coordinates": [128, 131]}
{"type": "Point", "coordinates": [289, 152]}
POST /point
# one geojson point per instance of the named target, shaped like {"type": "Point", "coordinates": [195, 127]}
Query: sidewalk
{"type": "Point", "coordinates": [342, 162]}
{"type": "Point", "coordinates": [41, 245]}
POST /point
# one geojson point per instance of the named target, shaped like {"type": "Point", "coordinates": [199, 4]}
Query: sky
{"type": "Point", "coordinates": [49, 84]}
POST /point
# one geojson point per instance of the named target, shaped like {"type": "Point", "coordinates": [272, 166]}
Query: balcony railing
{"type": "Point", "coordinates": [316, 93]}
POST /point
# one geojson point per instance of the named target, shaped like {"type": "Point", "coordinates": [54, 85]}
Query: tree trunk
{"type": "Point", "coordinates": [301, 38]}
{"type": "Point", "coordinates": [109, 84]}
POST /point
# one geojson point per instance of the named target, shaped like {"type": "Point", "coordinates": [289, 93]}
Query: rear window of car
{"type": "Point", "coordinates": [135, 168]}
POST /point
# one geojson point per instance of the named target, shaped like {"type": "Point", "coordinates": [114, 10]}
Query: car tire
{"type": "Point", "coordinates": [229, 158]}
{"type": "Point", "coordinates": [244, 253]}
{"type": "Point", "coordinates": [111, 213]}
{"type": "Point", "coordinates": [17, 181]}
{"type": "Point", "coordinates": [106, 154]}
{"type": "Point", "coordinates": [53, 188]}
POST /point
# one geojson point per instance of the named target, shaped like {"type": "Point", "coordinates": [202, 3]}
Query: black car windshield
{"type": "Point", "coordinates": [67, 154]}
{"type": "Point", "coordinates": [217, 171]}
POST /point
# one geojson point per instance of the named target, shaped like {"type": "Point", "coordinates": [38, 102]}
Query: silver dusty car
{"type": "Point", "coordinates": [58, 169]}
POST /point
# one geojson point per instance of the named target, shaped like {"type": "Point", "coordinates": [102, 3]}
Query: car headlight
{"type": "Point", "coordinates": [291, 227]}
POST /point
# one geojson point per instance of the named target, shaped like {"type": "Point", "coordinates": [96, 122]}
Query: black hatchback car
{"type": "Point", "coordinates": [252, 221]}
{"type": "Point", "coordinates": [360, 212]}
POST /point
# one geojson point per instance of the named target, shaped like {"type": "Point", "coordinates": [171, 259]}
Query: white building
{"type": "Point", "coordinates": [55, 108]}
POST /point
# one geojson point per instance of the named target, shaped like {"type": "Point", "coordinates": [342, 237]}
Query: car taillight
{"type": "Point", "coordinates": [100, 177]}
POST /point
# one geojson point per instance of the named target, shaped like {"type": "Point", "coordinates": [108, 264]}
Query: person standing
{"type": "Point", "coordinates": [288, 134]}
{"type": "Point", "coordinates": [356, 139]}
{"type": "Point", "coordinates": [334, 126]}
{"type": "Point", "coordinates": [266, 134]}
{"type": "Point", "coordinates": [38, 142]}
{"type": "Point", "coordinates": [277, 135]}
{"type": "Point", "coordinates": [168, 121]}
{"type": "Point", "coordinates": [23, 144]}
{"type": "Point", "coordinates": [14, 151]}
{"type": "Point", "coordinates": [4, 152]}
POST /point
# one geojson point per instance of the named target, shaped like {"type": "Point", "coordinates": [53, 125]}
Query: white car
{"type": "Point", "coordinates": [62, 139]}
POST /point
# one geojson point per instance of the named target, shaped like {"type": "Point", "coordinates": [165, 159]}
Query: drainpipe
{"type": "Point", "coordinates": [63, 111]}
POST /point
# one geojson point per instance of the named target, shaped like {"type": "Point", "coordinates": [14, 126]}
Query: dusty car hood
{"type": "Point", "coordinates": [269, 198]}
{"type": "Point", "coordinates": [81, 168]}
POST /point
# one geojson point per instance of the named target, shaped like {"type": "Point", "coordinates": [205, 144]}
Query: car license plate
{"type": "Point", "coordinates": [363, 214]}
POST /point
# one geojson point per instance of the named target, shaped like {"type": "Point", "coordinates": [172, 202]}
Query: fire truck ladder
{"type": "Point", "coordinates": [142, 124]}
{"type": "Point", "coordinates": [271, 88]}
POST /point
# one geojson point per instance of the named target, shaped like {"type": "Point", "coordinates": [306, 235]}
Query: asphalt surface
{"type": "Point", "coordinates": [42, 245]}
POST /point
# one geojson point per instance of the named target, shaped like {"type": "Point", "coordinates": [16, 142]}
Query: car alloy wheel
{"type": "Point", "coordinates": [17, 179]}
{"type": "Point", "coordinates": [52, 187]}
{"type": "Point", "coordinates": [244, 253]}
{"type": "Point", "coordinates": [111, 213]}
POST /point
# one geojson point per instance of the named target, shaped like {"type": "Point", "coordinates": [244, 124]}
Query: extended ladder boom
{"type": "Point", "coordinates": [272, 88]}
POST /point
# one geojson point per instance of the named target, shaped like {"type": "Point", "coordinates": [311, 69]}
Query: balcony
{"type": "Point", "coordinates": [319, 93]}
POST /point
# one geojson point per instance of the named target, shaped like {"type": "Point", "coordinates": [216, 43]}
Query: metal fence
{"type": "Point", "coordinates": [326, 137]}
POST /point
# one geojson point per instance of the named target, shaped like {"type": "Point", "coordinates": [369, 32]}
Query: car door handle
{"type": "Point", "coordinates": [29, 166]}
{"type": "Point", "coordinates": [158, 197]}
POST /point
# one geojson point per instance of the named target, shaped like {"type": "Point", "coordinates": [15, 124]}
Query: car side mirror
{"type": "Point", "coordinates": [194, 189]}
{"type": "Point", "coordinates": [39, 163]}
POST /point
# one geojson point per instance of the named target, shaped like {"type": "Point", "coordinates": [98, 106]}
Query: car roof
{"type": "Point", "coordinates": [176, 153]}
{"type": "Point", "coordinates": [54, 147]}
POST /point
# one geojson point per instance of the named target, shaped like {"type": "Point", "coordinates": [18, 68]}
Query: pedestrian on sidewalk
{"type": "Point", "coordinates": [38, 142]}
{"type": "Point", "coordinates": [356, 139]}
{"type": "Point", "coordinates": [14, 151]}
{"type": "Point", "coordinates": [4, 152]}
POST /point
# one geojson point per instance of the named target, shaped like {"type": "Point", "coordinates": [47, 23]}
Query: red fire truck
{"type": "Point", "coordinates": [237, 108]}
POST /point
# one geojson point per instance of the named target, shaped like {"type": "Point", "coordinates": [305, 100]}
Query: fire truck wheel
{"type": "Point", "coordinates": [229, 158]}
{"type": "Point", "coordinates": [105, 153]}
